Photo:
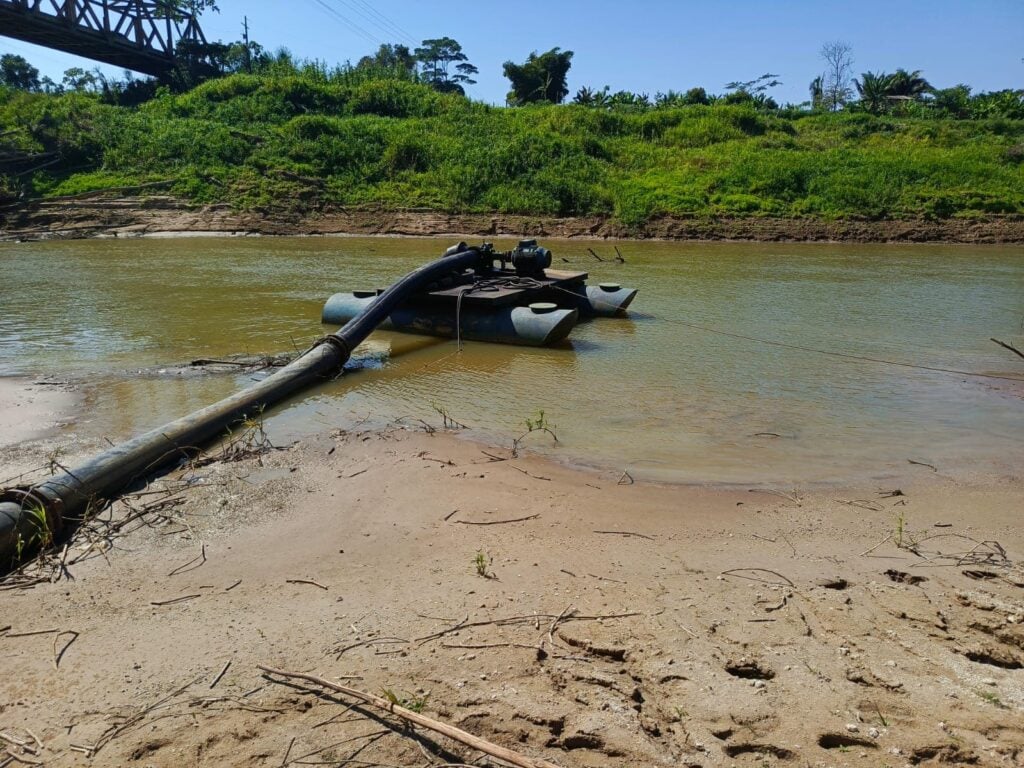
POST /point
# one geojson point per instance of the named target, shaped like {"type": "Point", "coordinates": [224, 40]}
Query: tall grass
{"type": "Point", "coordinates": [308, 137]}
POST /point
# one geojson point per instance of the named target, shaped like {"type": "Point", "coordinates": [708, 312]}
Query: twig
{"type": "Point", "coordinates": [594, 254]}
{"type": "Point", "coordinates": [31, 634]}
{"type": "Point", "coordinates": [220, 674]}
{"type": "Point", "coordinates": [185, 568]}
{"type": "Point", "coordinates": [228, 589]}
{"type": "Point", "coordinates": [496, 522]}
{"type": "Point", "coordinates": [626, 479]}
{"type": "Point", "coordinates": [528, 474]}
{"type": "Point", "coordinates": [1010, 347]}
{"type": "Point", "coordinates": [450, 515]}
{"type": "Point", "coordinates": [922, 464]}
{"type": "Point", "coordinates": [869, 551]}
{"type": "Point", "coordinates": [58, 656]}
{"type": "Point", "coordinates": [181, 599]}
{"type": "Point", "coordinates": [736, 572]}
{"type": "Point", "coordinates": [307, 581]}
{"type": "Point", "coordinates": [468, 739]}
{"type": "Point", "coordinates": [22, 758]}
{"type": "Point", "coordinates": [628, 533]}
{"type": "Point", "coordinates": [288, 752]}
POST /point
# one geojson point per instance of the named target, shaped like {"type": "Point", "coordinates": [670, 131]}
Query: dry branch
{"type": "Point", "coordinates": [457, 734]}
{"type": "Point", "coordinates": [496, 522]}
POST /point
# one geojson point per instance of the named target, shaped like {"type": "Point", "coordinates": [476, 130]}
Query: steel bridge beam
{"type": "Point", "coordinates": [140, 35]}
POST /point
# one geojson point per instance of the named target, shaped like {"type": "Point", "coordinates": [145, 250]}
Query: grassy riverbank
{"type": "Point", "coordinates": [302, 143]}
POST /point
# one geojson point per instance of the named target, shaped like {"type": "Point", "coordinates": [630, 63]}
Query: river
{"type": "Point", "coordinates": [662, 394]}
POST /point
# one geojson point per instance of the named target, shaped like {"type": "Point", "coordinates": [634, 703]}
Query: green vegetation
{"type": "Point", "coordinates": [304, 137]}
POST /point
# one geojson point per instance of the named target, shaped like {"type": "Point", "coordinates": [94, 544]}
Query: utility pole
{"type": "Point", "coordinates": [248, 51]}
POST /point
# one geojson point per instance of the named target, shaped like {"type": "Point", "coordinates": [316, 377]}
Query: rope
{"type": "Point", "coordinates": [848, 355]}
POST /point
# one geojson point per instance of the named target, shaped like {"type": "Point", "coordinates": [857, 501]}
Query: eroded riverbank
{"type": "Point", "coordinates": [159, 215]}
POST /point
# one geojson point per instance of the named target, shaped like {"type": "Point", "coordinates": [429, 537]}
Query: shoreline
{"type": "Point", "coordinates": [165, 216]}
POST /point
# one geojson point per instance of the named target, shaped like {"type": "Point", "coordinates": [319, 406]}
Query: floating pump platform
{"type": "Point", "coordinates": [509, 297]}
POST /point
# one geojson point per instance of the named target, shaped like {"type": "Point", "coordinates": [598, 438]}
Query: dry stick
{"type": "Point", "coordinates": [736, 572]}
{"type": "Point", "coordinates": [181, 599]}
{"type": "Point", "coordinates": [220, 674]}
{"type": "Point", "coordinates": [31, 634]}
{"type": "Point", "coordinates": [496, 522]}
{"type": "Point", "coordinates": [869, 551]}
{"type": "Point", "coordinates": [450, 515]}
{"type": "Point", "coordinates": [58, 656]}
{"type": "Point", "coordinates": [185, 568]}
{"type": "Point", "coordinates": [628, 533]}
{"type": "Point", "coordinates": [594, 254]}
{"type": "Point", "coordinates": [533, 617]}
{"type": "Point", "coordinates": [306, 581]}
{"type": "Point", "coordinates": [619, 254]}
{"type": "Point", "coordinates": [468, 739]}
{"type": "Point", "coordinates": [626, 479]}
{"type": "Point", "coordinates": [291, 743]}
{"type": "Point", "coordinates": [922, 464]}
{"type": "Point", "coordinates": [528, 474]}
{"type": "Point", "coordinates": [22, 758]}
{"type": "Point", "coordinates": [1010, 347]}
{"type": "Point", "coordinates": [228, 589]}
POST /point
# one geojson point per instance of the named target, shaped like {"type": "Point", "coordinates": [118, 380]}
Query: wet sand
{"type": "Point", "coordinates": [613, 624]}
{"type": "Point", "coordinates": [30, 410]}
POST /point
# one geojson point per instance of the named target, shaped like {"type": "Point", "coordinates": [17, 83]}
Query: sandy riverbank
{"type": "Point", "coordinates": [763, 628]}
{"type": "Point", "coordinates": [160, 215]}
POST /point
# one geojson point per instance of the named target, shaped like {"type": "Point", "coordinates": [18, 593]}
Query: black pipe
{"type": "Point", "coordinates": [66, 498]}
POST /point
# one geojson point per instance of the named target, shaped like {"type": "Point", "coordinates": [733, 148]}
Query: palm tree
{"type": "Point", "coordinates": [817, 91]}
{"type": "Point", "coordinates": [874, 90]}
{"type": "Point", "coordinates": [908, 84]}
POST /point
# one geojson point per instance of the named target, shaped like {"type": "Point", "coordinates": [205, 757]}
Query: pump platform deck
{"type": "Point", "coordinates": [500, 296]}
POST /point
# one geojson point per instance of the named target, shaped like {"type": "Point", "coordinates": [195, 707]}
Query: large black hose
{"type": "Point", "coordinates": [35, 515]}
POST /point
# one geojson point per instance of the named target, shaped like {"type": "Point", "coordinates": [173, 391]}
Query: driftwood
{"type": "Point", "coordinates": [1010, 347]}
{"type": "Point", "coordinates": [457, 734]}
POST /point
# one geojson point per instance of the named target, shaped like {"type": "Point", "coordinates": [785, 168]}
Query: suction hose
{"type": "Point", "coordinates": [35, 516]}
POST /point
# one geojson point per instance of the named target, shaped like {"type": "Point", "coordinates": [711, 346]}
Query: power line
{"type": "Point", "coordinates": [352, 26]}
{"type": "Point", "coordinates": [378, 19]}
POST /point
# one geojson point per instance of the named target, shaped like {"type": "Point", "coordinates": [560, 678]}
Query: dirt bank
{"type": "Point", "coordinates": [603, 624]}
{"type": "Point", "coordinates": [30, 410]}
{"type": "Point", "coordinates": [163, 215]}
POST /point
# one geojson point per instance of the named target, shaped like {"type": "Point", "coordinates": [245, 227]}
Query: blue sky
{"type": "Point", "coordinates": [645, 45]}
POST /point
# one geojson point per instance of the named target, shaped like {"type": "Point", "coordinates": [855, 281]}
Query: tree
{"type": "Point", "coordinates": [817, 91]}
{"type": "Point", "coordinates": [838, 58]}
{"type": "Point", "coordinates": [436, 57]}
{"type": "Point", "coordinates": [908, 84]}
{"type": "Point", "coordinates": [390, 56]}
{"type": "Point", "coordinates": [77, 79]}
{"type": "Point", "coordinates": [753, 92]}
{"type": "Point", "coordinates": [16, 72]}
{"type": "Point", "coordinates": [540, 78]}
{"type": "Point", "coordinates": [874, 91]}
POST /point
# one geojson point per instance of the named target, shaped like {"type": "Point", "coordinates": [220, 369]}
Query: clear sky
{"type": "Point", "coordinates": [644, 45]}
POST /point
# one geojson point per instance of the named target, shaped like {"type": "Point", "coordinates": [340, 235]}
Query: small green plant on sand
{"type": "Point", "coordinates": [992, 699]}
{"type": "Point", "coordinates": [482, 563]}
{"type": "Point", "coordinates": [411, 702]}
{"type": "Point", "coordinates": [538, 424]}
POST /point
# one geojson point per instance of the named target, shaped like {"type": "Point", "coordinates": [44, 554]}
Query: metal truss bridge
{"type": "Point", "coordinates": [140, 35]}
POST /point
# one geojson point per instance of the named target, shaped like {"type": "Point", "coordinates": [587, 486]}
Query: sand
{"type": "Point", "coordinates": [612, 625]}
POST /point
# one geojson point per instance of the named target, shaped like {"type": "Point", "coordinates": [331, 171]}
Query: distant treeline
{"type": "Point", "coordinates": [305, 136]}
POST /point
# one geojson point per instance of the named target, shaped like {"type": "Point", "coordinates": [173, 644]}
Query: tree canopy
{"type": "Point", "coordinates": [437, 56]}
{"type": "Point", "coordinates": [540, 78]}
{"type": "Point", "coordinates": [16, 72]}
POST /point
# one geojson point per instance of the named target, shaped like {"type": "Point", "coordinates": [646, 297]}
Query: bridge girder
{"type": "Point", "coordinates": [140, 35]}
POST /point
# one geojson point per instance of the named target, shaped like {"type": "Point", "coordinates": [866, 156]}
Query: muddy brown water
{"type": "Point", "coordinates": [651, 393]}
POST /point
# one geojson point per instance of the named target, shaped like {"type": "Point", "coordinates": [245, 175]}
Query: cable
{"type": "Point", "coordinates": [847, 355]}
{"type": "Point", "coordinates": [378, 20]}
{"type": "Point", "coordinates": [352, 26]}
